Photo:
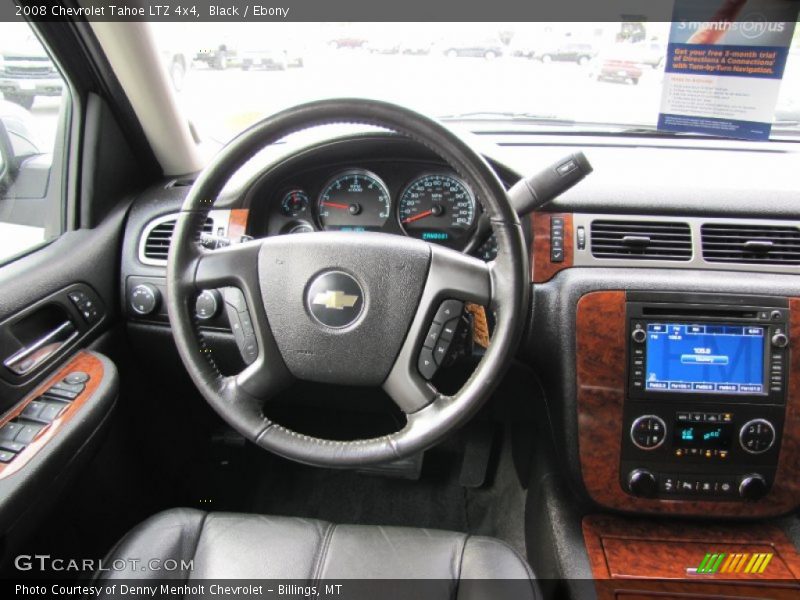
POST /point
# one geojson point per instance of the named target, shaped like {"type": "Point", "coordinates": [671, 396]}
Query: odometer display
{"type": "Point", "coordinates": [437, 208]}
{"type": "Point", "coordinates": [354, 201]}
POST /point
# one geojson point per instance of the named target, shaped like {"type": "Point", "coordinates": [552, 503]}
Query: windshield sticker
{"type": "Point", "coordinates": [725, 62]}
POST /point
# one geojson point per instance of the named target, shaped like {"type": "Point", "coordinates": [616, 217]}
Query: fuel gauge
{"type": "Point", "coordinates": [295, 203]}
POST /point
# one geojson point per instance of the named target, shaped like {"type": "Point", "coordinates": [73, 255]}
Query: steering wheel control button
{"type": "Point", "coordinates": [426, 365]}
{"type": "Point", "coordinates": [757, 436]}
{"type": "Point", "coordinates": [648, 432]}
{"type": "Point", "coordinates": [440, 351]}
{"type": "Point", "coordinates": [449, 329]}
{"type": "Point", "coordinates": [433, 335]}
{"type": "Point", "coordinates": [449, 309]}
{"type": "Point", "coordinates": [144, 299]}
{"type": "Point", "coordinates": [6, 456]}
{"type": "Point", "coordinates": [76, 377]}
{"type": "Point", "coordinates": [335, 299]}
{"type": "Point", "coordinates": [207, 305]}
{"type": "Point", "coordinates": [235, 298]}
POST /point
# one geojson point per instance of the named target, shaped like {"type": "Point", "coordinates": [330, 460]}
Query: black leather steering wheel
{"type": "Point", "coordinates": [398, 282]}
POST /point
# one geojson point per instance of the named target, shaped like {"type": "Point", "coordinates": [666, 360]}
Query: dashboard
{"type": "Point", "coordinates": [687, 255]}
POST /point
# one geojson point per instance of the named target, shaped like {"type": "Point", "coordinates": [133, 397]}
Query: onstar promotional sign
{"type": "Point", "coordinates": [724, 65]}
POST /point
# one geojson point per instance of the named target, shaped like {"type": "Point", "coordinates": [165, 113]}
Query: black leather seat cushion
{"type": "Point", "coordinates": [244, 546]}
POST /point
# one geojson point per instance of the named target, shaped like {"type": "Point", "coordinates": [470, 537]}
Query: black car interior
{"type": "Point", "coordinates": [245, 368]}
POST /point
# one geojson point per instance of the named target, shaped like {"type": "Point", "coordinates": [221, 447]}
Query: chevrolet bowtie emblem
{"type": "Point", "coordinates": [335, 299]}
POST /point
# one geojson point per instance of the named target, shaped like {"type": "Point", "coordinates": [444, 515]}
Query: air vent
{"type": "Point", "coordinates": [641, 240]}
{"type": "Point", "coordinates": [754, 244]}
{"type": "Point", "coordinates": [156, 246]}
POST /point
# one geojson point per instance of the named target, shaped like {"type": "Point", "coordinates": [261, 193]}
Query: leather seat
{"type": "Point", "coordinates": [242, 546]}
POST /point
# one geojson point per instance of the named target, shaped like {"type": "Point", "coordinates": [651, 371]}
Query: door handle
{"type": "Point", "coordinates": [28, 358]}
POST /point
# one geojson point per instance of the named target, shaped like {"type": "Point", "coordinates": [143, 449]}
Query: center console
{"type": "Point", "coordinates": [706, 393]}
{"type": "Point", "coordinates": [689, 403]}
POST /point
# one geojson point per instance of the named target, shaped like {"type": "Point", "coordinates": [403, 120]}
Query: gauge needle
{"type": "Point", "coordinates": [337, 205]}
{"type": "Point", "coordinates": [417, 217]}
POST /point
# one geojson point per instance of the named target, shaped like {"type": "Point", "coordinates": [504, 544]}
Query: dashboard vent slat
{"type": "Point", "coordinates": [156, 246]}
{"type": "Point", "coordinates": [751, 244]}
{"type": "Point", "coordinates": [641, 240]}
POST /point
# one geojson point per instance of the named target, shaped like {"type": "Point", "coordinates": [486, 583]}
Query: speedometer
{"type": "Point", "coordinates": [439, 208]}
{"type": "Point", "coordinates": [354, 200]}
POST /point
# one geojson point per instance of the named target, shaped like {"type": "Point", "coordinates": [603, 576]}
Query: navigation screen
{"type": "Point", "coordinates": [708, 359]}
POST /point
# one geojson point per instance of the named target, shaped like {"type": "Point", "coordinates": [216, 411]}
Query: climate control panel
{"type": "Point", "coordinates": [719, 452]}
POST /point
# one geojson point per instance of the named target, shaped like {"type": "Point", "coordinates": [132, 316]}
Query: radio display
{"type": "Point", "coordinates": [705, 358]}
{"type": "Point", "coordinates": [706, 436]}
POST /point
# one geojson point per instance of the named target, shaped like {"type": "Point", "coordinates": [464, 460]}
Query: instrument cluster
{"type": "Point", "coordinates": [423, 201]}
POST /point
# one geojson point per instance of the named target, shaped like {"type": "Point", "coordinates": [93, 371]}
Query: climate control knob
{"type": "Point", "coordinates": [144, 299]}
{"type": "Point", "coordinates": [648, 432]}
{"type": "Point", "coordinates": [757, 436]}
{"type": "Point", "coordinates": [752, 487]}
{"type": "Point", "coordinates": [642, 482]}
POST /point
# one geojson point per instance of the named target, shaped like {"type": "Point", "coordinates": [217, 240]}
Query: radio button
{"type": "Point", "coordinates": [648, 432]}
{"type": "Point", "coordinates": [639, 335]}
{"type": "Point", "coordinates": [779, 340]}
{"type": "Point", "coordinates": [757, 436]}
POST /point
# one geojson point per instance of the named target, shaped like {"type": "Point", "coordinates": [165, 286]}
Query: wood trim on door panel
{"type": "Point", "coordinates": [83, 361]}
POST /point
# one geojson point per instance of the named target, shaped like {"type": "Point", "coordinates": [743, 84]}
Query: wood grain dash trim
{"type": "Point", "coordinates": [541, 268]}
{"type": "Point", "coordinates": [636, 558]}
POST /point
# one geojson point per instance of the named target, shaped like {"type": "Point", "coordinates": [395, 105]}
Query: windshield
{"type": "Point", "coordinates": [556, 76]}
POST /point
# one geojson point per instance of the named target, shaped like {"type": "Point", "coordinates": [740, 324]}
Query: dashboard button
{"type": "Point", "coordinates": [6, 456]}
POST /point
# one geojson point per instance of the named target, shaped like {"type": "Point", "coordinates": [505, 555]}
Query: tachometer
{"type": "Point", "coordinates": [355, 200]}
{"type": "Point", "coordinates": [437, 208]}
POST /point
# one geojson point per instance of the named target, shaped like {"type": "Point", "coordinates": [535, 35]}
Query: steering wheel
{"type": "Point", "coordinates": [346, 308]}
